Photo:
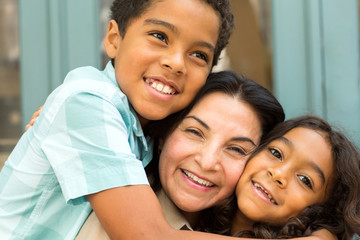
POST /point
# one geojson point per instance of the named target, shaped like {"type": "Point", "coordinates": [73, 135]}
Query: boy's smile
{"type": "Point", "coordinates": [164, 59]}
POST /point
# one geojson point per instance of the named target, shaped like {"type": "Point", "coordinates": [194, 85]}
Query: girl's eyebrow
{"type": "Point", "coordinates": [240, 139]}
{"type": "Point", "coordinates": [176, 31]}
{"type": "Point", "coordinates": [313, 165]}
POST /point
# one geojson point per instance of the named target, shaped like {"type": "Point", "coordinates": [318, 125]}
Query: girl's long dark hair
{"type": "Point", "coordinates": [340, 214]}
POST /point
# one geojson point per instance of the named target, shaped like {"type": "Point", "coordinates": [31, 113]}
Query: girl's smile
{"type": "Point", "coordinates": [288, 175]}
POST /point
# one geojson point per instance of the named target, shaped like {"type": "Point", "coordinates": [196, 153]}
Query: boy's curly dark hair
{"type": "Point", "coordinates": [124, 11]}
{"type": "Point", "coordinates": [340, 214]}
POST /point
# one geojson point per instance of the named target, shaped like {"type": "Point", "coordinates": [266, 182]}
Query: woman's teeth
{"type": "Point", "coordinates": [197, 180]}
{"type": "Point", "coordinates": [161, 87]}
{"type": "Point", "coordinates": [268, 194]}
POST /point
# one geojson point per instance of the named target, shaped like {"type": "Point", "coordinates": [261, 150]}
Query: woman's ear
{"type": "Point", "coordinates": [160, 146]}
{"type": "Point", "coordinates": [112, 39]}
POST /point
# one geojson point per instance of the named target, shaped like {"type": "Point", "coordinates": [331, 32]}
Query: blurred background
{"type": "Point", "coordinates": [305, 51]}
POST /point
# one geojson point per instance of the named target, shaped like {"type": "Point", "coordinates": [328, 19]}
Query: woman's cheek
{"type": "Point", "coordinates": [233, 174]}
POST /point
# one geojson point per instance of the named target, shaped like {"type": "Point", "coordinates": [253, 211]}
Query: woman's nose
{"type": "Point", "coordinates": [209, 160]}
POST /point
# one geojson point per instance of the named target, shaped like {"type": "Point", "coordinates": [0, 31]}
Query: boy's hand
{"type": "Point", "coordinates": [33, 118]}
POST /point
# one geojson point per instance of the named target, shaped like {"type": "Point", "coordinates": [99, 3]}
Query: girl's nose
{"type": "Point", "coordinates": [278, 175]}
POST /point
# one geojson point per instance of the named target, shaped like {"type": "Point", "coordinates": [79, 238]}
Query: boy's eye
{"type": "Point", "coordinates": [276, 153]}
{"type": "Point", "coordinates": [305, 180]}
{"type": "Point", "coordinates": [201, 55]}
{"type": "Point", "coordinates": [162, 37]}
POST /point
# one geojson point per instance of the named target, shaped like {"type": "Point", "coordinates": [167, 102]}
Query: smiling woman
{"type": "Point", "coordinates": [205, 169]}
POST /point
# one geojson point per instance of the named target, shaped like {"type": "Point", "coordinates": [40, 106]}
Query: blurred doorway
{"type": "Point", "coordinates": [10, 116]}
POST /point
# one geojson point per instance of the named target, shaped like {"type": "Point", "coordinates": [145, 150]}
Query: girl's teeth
{"type": "Point", "coordinates": [269, 196]}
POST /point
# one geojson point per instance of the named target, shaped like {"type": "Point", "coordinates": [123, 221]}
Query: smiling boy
{"type": "Point", "coordinates": [86, 145]}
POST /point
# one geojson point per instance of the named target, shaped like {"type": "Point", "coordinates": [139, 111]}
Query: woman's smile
{"type": "Point", "coordinates": [197, 180]}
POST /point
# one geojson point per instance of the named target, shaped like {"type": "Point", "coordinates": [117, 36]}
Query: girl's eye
{"type": "Point", "coordinates": [305, 180]}
{"type": "Point", "coordinates": [202, 56]}
{"type": "Point", "coordinates": [162, 37]}
{"type": "Point", "coordinates": [194, 132]}
{"type": "Point", "coordinates": [276, 153]}
{"type": "Point", "coordinates": [238, 150]}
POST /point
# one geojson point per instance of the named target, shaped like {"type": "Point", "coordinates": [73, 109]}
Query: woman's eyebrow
{"type": "Point", "coordinates": [313, 165]}
{"type": "Point", "coordinates": [240, 139]}
{"type": "Point", "coordinates": [199, 121]}
{"type": "Point", "coordinates": [244, 139]}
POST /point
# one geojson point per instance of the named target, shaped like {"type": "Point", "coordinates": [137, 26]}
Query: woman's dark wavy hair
{"type": "Point", "coordinates": [267, 108]}
{"type": "Point", "coordinates": [125, 11]}
{"type": "Point", "coordinates": [340, 214]}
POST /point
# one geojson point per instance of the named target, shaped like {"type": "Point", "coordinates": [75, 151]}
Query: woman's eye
{"type": "Point", "coordinates": [238, 150]}
{"type": "Point", "coordinates": [305, 180]}
{"type": "Point", "coordinates": [201, 55]}
{"type": "Point", "coordinates": [275, 153]}
{"type": "Point", "coordinates": [162, 37]}
{"type": "Point", "coordinates": [194, 132]}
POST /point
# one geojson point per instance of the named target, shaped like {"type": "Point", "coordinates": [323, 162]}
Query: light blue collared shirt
{"type": "Point", "coordinates": [86, 139]}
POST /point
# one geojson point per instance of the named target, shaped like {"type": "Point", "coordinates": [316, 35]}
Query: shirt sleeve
{"type": "Point", "coordinates": [88, 148]}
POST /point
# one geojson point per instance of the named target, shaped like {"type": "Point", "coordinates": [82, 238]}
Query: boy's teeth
{"type": "Point", "coordinates": [160, 87]}
{"type": "Point", "coordinates": [198, 180]}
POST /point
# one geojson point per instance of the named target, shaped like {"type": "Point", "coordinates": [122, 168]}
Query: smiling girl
{"type": "Point", "coordinates": [303, 178]}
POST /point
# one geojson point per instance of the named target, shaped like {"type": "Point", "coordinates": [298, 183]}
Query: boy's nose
{"type": "Point", "coordinates": [175, 63]}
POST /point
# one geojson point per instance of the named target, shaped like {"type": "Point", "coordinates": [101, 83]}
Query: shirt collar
{"type": "Point", "coordinates": [172, 214]}
{"type": "Point", "coordinates": [136, 128]}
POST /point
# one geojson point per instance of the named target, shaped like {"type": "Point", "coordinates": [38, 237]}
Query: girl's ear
{"type": "Point", "coordinates": [112, 39]}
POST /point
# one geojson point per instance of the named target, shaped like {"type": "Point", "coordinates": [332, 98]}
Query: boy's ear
{"type": "Point", "coordinates": [112, 39]}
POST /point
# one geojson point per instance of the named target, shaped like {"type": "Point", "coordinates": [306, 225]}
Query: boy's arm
{"type": "Point", "coordinates": [322, 234]}
{"type": "Point", "coordinates": [133, 212]}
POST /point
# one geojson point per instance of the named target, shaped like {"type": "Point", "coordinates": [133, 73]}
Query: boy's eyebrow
{"type": "Point", "coordinates": [175, 30]}
{"type": "Point", "coordinates": [241, 139]}
{"type": "Point", "coordinates": [313, 165]}
{"type": "Point", "coordinates": [163, 23]}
